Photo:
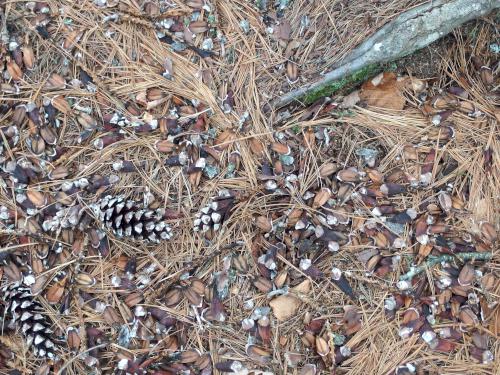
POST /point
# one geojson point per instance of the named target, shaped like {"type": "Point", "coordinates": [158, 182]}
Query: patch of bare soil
{"type": "Point", "coordinates": [425, 63]}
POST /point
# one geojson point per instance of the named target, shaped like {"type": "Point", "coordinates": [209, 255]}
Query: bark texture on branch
{"type": "Point", "coordinates": [407, 33]}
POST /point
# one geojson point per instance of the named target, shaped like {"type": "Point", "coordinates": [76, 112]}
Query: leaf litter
{"type": "Point", "coordinates": [321, 239]}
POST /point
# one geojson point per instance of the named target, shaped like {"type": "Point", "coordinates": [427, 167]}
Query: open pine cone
{"type": "Point", "coordinates": [211, 217]}
{"type": "Point", "coordinates": [126, 218]}
{"type": "Point", "coordinates": [26, 314]}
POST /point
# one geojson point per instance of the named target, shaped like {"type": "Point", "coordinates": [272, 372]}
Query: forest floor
{"type": "Point", "coordinates": [349, 234]}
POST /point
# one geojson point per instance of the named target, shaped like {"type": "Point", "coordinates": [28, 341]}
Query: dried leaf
{"type": "Point", "coordinates": [284, 307]}
{"type": "Point", "coordinates": [225, 139]}
{"type": "Point", "coordinates": [198, 27]}
{"type": "Point", "coordinates": [383, 91]}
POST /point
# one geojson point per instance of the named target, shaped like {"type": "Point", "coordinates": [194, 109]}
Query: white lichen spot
{"type": "Point", "coordinates": [377, 79]}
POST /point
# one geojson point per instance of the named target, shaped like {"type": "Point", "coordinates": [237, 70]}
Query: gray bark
{"type": "Point", "coordinates": [407, 33]}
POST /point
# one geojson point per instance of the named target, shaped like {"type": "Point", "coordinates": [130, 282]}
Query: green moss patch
{"type": "Point", "coordinates": [354, 79]}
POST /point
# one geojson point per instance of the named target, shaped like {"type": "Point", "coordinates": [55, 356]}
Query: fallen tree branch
{"type": "Point", "coordinates": [407, 33]}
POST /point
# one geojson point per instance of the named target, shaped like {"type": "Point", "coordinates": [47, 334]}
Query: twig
{"type": "Point", "coordinates": [409, 32]}
{"type": "Point", "coordinates": [433, 260]}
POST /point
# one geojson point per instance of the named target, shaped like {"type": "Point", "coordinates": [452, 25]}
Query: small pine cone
{"type": "Point", "coordinates": [27, 315]}
{"type": "Point", "coordinates": [126, 218]}
{"type": "Point", "coordinates": [213, 215]}
{"type": "Point", "coordinates": [66, 217]}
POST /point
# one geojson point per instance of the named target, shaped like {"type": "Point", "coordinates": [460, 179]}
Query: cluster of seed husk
{"type": "Point", "coordinates": [133, 323]}
{"type": "Point", "coordinates": [362, 206]}
{"type": "Point", "coordinates": [299, 225]}
{"type": "Point", "coordinates": [42, 215]}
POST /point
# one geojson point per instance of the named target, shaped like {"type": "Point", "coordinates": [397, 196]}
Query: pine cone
{"type": "Point", "coordinates": [126, 218]}
{"type": "Point", "coordinates": [26, 315]}
{"type": "Point", "coordinates": [66, 217]}
{"type": "Point", "coordinates": [212, 216]}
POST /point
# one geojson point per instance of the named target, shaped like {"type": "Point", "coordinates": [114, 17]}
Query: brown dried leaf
{"type": "Point", "coordinates": [258, 354]}
{"type": "Point", "coordinates": [327, 169]}
{"type": "Point", "coordinates": [383, 91]}
{"type": "Point", "coordinates": [256, 146]}
{"type": "Point", "coordinates": [71, 39]}
{"type": "Point", "coordinates": [28, 57]}
{"type": "Point", "coordinates": [14, 70]}
{"type": "Point", "coordinates": [309, 369]}
{"type": "Point", "coordinates": [36, 197]}
{"type": "Point", "coordinates": [133, 299]}
{"type": "Point", "coordinates": [12, 271]}
{"type": "Point", "coordinates": [352, 320]}
{"type": "Point", "coordinates": [321, 197]}
{"type": "Point", "coordinates": [73, 339]}
{"type": "Point", "coordinates": [284, 307]}
{"type": "Point", "coordinates": [322, 347]}
{"type": "Point", "coordinates": [291, 47]}
{"type": "Point", "coordinates": [263, 223]}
